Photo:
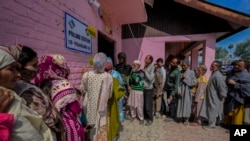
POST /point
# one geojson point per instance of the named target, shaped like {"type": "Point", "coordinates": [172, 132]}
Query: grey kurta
{"type": "Point", "coordinates": [216, 91]}
{"type": "Point", "coordinates": [184, 105]}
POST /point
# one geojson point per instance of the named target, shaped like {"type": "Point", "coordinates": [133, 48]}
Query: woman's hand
{"type": "Point", "coordinates": [84, 69]}
{"type": "Point", "coordinates": [5, 100]}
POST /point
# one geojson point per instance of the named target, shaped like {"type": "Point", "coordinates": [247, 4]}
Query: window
{"type": "Point", "coordinates": [200, 55]}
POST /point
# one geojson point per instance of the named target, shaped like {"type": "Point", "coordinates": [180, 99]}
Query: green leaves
{"type": "Point", "coordinates": [243, 49]}
{"type": "Point", "coordinates": [220, 53]}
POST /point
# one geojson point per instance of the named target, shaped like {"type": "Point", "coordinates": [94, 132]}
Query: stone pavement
{"type": "Point", "coordinates": [170, 131]}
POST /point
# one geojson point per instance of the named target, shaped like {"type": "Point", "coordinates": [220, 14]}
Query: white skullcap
{"type": "Point", "coordinates": [138, 62]}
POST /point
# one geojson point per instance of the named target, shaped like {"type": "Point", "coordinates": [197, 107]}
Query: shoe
{"type": "Point", "coordinates": [121, 128]}
{"type": "Point", "coordinates": [225, 126]}
{"type": "Point", "coordinates": [157, 115]}
{"type": "Point", "coordinates": [168, 120]}
{"type": "Point", "coordinates": [141, 122]}
{"type": "Point", "coordinates": [148, 123]}
{"type": "Point", "coordinates": [186, 123]}
{"type": "Point", "coordinates": [178, 120]}
{"type": "Point", "coordinates": [194, 124]}
{"type": "Point", "coordinates": [127, 117]}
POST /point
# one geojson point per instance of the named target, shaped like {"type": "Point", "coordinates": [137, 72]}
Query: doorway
{"type": "Point", "coordinates": [106, 45]}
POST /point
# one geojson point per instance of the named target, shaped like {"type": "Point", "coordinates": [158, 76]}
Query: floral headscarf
{"type": "Point", "coordinates": [52, 67]}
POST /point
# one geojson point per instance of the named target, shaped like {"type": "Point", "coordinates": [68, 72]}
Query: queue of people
{"type": "Point", "coordinates": [195, 100]}
{"type": "Point", "coordinates": [38, 102]}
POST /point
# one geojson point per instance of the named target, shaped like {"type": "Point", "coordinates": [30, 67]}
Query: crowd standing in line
{"type": "Point", "coordinates": [38, 102]}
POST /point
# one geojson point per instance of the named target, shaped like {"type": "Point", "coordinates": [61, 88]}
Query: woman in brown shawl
{"type": "Point", "coordinates": [34, 97]}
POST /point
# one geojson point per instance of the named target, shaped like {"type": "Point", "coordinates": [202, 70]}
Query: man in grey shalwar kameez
{"type": "Point", "coordinates": [216, 91]}
{"type": "Point", "coordinates": [184, 104]}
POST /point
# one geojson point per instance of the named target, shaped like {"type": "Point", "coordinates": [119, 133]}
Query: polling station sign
{"type": "Point", "coordinates": [239, 132]}
{"type": "Point", "coordinates": [76, 35]}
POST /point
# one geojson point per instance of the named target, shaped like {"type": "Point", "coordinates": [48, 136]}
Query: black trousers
{"type": "Point", "coordinates": [148, 104]}
{"type": "Point", "coordinates": [172, 106]}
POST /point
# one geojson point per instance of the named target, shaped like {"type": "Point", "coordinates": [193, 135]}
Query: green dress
{"type": "Point", "coordinates": [113, 111]}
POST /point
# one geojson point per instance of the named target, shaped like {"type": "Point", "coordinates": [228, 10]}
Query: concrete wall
{"type": "Point", "coordinates": [40, 25]}
{"type": "Point", "coordinates": [138, 48]}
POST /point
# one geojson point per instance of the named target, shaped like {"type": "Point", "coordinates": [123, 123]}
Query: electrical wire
{"type": "Point", "coordinates": [136, 42]}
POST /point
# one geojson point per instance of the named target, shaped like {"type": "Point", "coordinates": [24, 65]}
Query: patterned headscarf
{"type": "Point", "coordinates": [100, 60]}
{"type": "Point", "coordinates": [5, 59]}
{"type": "Point", "coordinates": [52, 67]}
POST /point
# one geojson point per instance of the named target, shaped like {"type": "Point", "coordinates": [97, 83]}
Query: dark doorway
{"type": "Point", "coordinates": [106, 45]}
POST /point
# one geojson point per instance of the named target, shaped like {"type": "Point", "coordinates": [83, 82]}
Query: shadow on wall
{"type": "Point", "coordinates": [136, 46]}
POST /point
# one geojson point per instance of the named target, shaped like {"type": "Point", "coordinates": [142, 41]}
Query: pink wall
{"type": "Point", "coordinates": [209, 52]}
{"type": "Point", "coordinates": [140, 51]}
{"type": "Point", "coordinates": [40, 25]}
{"type": "Point", "coordinates": [138, 48]}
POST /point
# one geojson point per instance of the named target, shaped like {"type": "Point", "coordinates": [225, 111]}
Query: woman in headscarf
{"type": "Point", "coordinates": [52, 78]}
{"type": "Point", "coordinates": [115, 103]}
{"type": "Point", "coordinates": [97, 86]}
{"type": "Point", "coordinates": [14, 50]}
{"type": "Point", "coordinates": [34, 97]}
{"type": "Point", "coordinates": [27, 124]}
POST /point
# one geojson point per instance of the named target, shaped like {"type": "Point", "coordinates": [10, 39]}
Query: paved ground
{"type": "Point", "coordinates": [170, 131]}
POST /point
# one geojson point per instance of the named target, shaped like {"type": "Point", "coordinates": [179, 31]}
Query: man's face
{"type": "Point", "coordinates": [147, 60]}
{"type": "Point", "coordinates": [159, 64]}
{"type": "Point", "coordinates": [239, 66]}
{"type": "Point", "coordinates": [121, 60]}
{"type": "Point", "coordinates": [200, 71]}
{"type": "Point", "coordinates": [214, 67]}
{"type": "Point", "coordinates": [135, 67]}
{"type": "Point", "coordinates": [174, 63]}
{"type": "Point", "coordinates": [185, 66]}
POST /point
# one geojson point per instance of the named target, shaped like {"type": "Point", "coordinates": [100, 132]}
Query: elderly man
{"type": "Point", "coordinates": [238, 82]}
{"type": "Point", "coordinates": [216, 91]}
{"type": "Point", "coordinates": [184, 104]}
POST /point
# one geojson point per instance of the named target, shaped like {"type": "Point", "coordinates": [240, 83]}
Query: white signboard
{"type": "Point", "coordinates": [76, 36]}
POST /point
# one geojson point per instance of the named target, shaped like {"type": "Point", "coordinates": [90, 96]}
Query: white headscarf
{"type": "Point", "coordinates": [14, 50]}
{"type": "Point", "coordinates": [100, 60]}
{"type": "Point", "coordinates": [5, 59]}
